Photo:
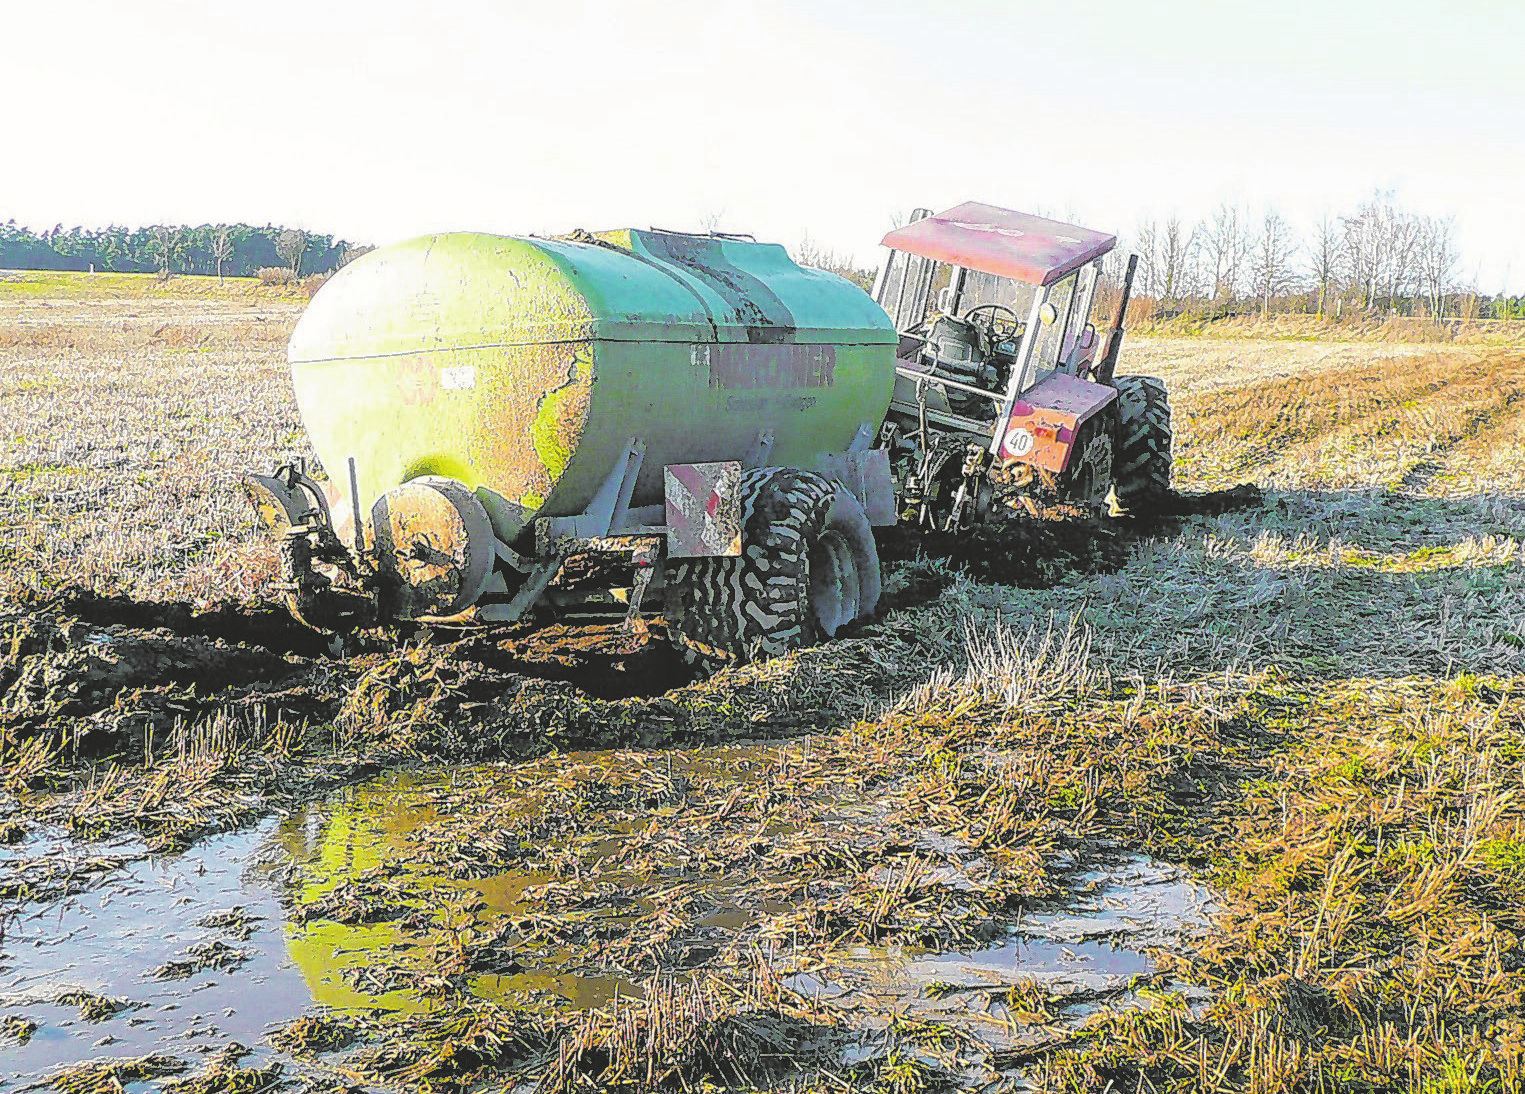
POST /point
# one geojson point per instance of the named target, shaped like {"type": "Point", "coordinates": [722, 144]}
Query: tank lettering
{"type": "Point", "coordinates": [750, 365]}
{"type": "Point", "coordinates": [756, 404]}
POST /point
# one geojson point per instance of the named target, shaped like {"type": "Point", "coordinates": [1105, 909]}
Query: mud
{"type": "Point", "coordinates": [107, 675]}
{"type": "Point", "coordinates": [1048, 546]}
{"type": "Point", "coordinates": [382, 912]}
{"type": "Point", "coordinates": [552, 892]}
{"type": "Point", "coordinates": [269, 626]}
{"type": "Point", "coordinates": [605, 660]}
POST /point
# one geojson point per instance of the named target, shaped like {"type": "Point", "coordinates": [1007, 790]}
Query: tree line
{"type": "Point", "coordinates": [233, 250]}
{"type": "Point", "coordinates": [1378, 258]}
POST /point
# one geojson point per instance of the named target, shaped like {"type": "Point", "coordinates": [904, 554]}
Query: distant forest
{"type": "Point", "coordinates": [232, 250]}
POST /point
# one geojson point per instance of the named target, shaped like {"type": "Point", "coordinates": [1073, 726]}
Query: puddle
{"type": "Point", "coordinates": [554, 885]}
{"type": "Point", "coordinates": [386, 842]}
{"type": "Point", "coordinates": [110, 939]}
{"type": "Point", "coordinates": [112, 915]}
{"type": "Point", "coordinates": [1093, 950]}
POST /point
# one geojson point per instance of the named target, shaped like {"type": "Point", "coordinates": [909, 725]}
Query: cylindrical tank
{"type": "Point", "coordinates": [522, 367]}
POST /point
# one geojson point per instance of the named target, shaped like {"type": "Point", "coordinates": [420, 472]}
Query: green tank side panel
{"type": "Point", "coordinates": [665, 395]}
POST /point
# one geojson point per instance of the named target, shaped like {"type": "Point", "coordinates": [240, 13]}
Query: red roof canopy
{"type": "Point", "coordinates": [1000, 241]}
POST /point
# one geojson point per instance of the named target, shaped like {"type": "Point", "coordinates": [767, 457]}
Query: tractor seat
{"type": "Point", "coordinates": [956, 349]}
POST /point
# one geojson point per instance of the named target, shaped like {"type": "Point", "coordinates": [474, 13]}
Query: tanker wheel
{"type": "Point", "coordinates": [807, 567]}
{"type": "Point", "coordinates": [845, 579]}
{"type": "Point", "coordinates": [1141, 473]}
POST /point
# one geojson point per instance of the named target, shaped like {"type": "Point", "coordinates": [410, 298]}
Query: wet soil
{"type": "Point", "coordinates": [118, 672]}
{"type": "Point", "coordinates": [572, 884]}
{"type": "Point", "coordinates": [400, 896]}
{"type": "Point", "coordinates": [606, 660]}
{"type": "Point", "coordinates": [100, 678]}
{"type": "Point", "coordinates": [1048, 546]}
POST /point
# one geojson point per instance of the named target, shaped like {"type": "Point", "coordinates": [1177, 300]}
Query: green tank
{"type": "Point", "coordinates": [523, 367]}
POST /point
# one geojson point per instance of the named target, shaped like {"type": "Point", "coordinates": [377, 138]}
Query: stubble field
{"type": "Point", "coordinates": [1227, 800]}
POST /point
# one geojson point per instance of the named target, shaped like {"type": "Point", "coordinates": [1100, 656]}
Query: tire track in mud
{"type": "Point", "coordinates": [200, 718]}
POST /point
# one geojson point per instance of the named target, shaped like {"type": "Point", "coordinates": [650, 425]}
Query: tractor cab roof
{"type": "Point", "coordinates": [1002, 242]}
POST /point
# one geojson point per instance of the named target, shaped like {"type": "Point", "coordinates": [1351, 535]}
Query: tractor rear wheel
{"type": "Point", "coordinates": [807, 567]}
{"type": "Point", "coordinates": [1141, 473]}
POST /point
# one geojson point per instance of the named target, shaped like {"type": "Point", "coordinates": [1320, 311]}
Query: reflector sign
{"type": "Point", "coordinates": [703, 509]}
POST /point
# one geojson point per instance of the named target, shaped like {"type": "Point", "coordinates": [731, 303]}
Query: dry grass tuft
{"type": "Point", "coordinates": [679, 1035]}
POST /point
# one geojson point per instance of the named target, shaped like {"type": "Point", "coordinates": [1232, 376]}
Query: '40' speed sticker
{"type": "Point", "coordinates": [1019, 441]}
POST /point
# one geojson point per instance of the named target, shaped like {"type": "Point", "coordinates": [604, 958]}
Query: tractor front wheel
{"type": "Point", "coordinates": [808, 567]}
{"type": "Point", "coordinates": [1141, 473]}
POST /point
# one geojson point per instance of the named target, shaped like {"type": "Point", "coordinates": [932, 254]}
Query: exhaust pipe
{"type": "Point", "coordinates": [1108, 367]}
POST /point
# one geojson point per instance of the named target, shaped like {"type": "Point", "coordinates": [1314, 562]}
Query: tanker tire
{"type": "Point", "coordinates": [845, 578]}
{"type": "Point", "coordinates": [727, 611]}
{"type": "Point", "coordinates": [1142, 471]}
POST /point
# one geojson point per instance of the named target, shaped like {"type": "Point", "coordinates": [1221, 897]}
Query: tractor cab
{"type": "Point", "coordinates": [996, 346]}
{"type": "Point", "coordinates": [988, 303]}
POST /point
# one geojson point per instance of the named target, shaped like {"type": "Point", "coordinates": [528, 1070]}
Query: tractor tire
{"type": "Point", "coordinates": [1142, 469]}
{"type": "Point", "coordinates": [808, 566]}
{"type": "Point", "coordinates": [1088, 478]}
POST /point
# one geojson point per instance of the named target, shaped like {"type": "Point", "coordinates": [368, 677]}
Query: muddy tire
{"type": "Point", "coordinates": [807, 567]}
{"type": "Point", "coordinates": [1142, 468]}
{"type": "Point", "coordinates": [845, 579]}
{"type": "Point", "coordinates": [1088, 478]}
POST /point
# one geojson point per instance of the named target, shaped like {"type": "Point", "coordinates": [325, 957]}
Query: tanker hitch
{"type": "Point", "coordinates": [325, 587]}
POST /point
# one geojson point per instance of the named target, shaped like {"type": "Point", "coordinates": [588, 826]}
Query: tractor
{"type": "Point", "coordinates": [1003, 398]}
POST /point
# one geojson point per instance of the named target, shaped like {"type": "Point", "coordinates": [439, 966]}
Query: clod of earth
{"type": "Point", "coordinates": [216, 954]}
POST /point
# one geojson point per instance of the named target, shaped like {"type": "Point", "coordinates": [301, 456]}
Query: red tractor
{"type": "Point", "coordinates": [1002, 400]}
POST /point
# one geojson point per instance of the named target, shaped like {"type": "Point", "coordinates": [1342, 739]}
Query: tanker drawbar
{"type": "Point", "coordinates": [632, 422]}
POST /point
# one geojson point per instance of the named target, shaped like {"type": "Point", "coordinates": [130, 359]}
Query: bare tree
{"type": "Point", "coordinates": [809, 253]}
{"type": "Point", "coordinates": [1225, 248]}
{"type": "Point", "coordinates": [1273, 260]}
{"type": "Point", "coordinates": [1325, 258]}
{"type": "Point", "coordinates": [1175, 250]}
{"type": "Point", "coordinates": [1148, 258]}
{"type": "Point", "coordinates": [1437, 258]}
{"type": "Point", "coordinates": [1380, 243]}
{"type": "Point", "coordinates": [222, 247]}
{"type": "Point", "coordinates": [291, 245]}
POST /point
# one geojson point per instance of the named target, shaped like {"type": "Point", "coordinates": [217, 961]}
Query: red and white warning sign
{"type": "Point", "coordinates": [703, 509]}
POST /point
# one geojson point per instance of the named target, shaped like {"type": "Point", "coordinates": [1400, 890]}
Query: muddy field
{"type": "Point", "coordinates": [1225, 800]}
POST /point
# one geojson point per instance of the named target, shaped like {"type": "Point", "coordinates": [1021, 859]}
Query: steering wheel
{"type": "Point", "coordinates": [999, 322]}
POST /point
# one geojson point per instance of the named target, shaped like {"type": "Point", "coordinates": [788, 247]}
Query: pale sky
{"type": "Point", "coordinates": [377, 120]}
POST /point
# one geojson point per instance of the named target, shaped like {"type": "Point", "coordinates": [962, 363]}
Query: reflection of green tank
{"type": "Point", "coordinates": [340, 841]}
{"type": "Point", "coordinates": [354, 837]}
{"type": "Point", "coordinates": [490, 405]}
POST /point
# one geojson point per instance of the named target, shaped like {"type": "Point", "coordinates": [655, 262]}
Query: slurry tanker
{"type": "Point", "coordinates": [692, 426]}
